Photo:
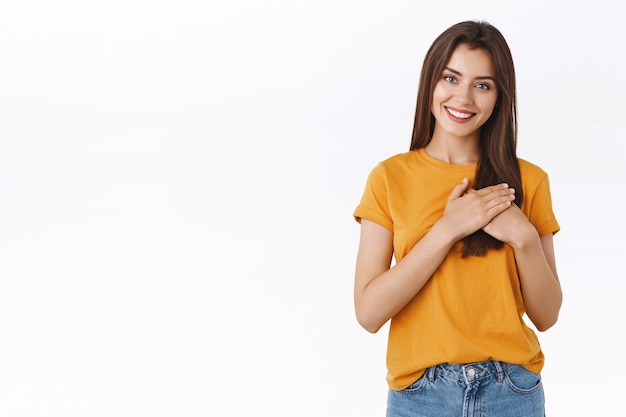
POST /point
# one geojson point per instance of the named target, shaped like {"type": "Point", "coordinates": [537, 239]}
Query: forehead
{"type": "Point", "coordinates": [471, 62]}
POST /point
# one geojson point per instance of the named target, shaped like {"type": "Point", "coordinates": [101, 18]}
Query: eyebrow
{"type": "Point", "coordinates": [482, 77]}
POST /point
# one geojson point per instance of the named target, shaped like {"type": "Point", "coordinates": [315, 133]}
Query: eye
{"type": "Point", "coordinates": [449, 79]}
{"type": "Point", "coordinates": [483, 86]}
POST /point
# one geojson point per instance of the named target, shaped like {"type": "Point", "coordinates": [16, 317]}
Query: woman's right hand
{"type": "Point", "coordinates": [469, 210]}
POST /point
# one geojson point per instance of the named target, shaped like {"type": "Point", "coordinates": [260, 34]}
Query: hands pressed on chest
{"type": "Point", "coordinates": [468, 210]}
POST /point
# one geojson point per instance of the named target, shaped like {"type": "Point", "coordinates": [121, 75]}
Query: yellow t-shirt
{"type": "Point", "coordinates": [471, 309]}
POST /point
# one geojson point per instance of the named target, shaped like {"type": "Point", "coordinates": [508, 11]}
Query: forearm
{"type": "Point", "coordinates": [541, 289]}
{"type": "Point", "coordinates": [384, 296]}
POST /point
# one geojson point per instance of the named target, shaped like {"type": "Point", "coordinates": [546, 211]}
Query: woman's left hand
{"type": "Point", "coordinates": [511, 226]}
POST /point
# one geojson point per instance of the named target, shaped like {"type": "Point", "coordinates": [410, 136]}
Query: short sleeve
{"type": "Point", "coordinates": [374, 205]}
{"type": "Point", "coordinates": [541, 214]}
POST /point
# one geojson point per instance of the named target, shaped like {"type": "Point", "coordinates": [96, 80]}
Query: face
{"type": "Point", "coordinates": [465, 95]}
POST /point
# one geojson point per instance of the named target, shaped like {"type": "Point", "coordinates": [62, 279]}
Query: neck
{"type": "Point", "coordinates": [454, 150]}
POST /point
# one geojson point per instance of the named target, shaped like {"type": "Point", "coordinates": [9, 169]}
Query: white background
{"type": "Point", "coordinates": [177, 181]}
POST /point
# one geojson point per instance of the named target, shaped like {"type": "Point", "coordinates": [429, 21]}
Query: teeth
{"type": "Point", "coordinates": [459, 114]}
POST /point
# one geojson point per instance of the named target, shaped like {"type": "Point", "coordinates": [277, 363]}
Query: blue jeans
{"type": "Point", "coordinates": [484, 389]}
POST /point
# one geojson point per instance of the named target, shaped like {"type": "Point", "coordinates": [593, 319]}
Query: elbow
{"type": "Point", "coordinates": [370, 327]}
{"type": "Point", "coordinates": [542, 328]}
{"type": "Point", "coordinates": [546, 323]}
{"type": "Point", "coordinates": [545, 318]}
{"type": "Point", "coordinates": [368, 323]}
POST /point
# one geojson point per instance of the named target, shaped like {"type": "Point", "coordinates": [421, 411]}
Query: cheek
{"type": "Point", "coordinates": [439, 96]}
{"type": "Point", "coordinates": [488, 105]}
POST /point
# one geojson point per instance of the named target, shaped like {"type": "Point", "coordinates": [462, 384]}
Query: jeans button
{"type": "Point", "coordinates": [471, 372]}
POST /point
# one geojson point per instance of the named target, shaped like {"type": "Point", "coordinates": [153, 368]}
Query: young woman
{"type": "Point", "coordinates": [470, 226]}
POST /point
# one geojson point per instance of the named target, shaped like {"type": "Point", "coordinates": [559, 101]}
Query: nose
{"type": "Point", "coordinates": [464, 95]}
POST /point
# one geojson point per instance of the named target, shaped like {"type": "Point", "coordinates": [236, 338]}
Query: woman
{"type": "Point", "coordinates": [471, 228]}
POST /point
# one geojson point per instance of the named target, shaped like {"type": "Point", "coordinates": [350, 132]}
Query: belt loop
{"type": "Point", "coordinates": [499, 371]}
{"type": "Point", "coordinates": [430, 373]}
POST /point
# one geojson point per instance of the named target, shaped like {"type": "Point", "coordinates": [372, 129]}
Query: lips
{"type": "Point", "coordinates": [459, 114]}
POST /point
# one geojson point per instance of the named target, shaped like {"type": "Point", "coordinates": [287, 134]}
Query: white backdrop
{"type": "Point", "coordinates": [177, 181]}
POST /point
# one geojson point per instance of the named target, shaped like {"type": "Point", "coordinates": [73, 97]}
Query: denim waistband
{"type": "Point", "coordinates": [468, 372]}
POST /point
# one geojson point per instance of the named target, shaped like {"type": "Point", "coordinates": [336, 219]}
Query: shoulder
{"type": "Point", "coordinates": [397, 163]}
{"type": "Point", "coordinates": [390, 171]}
{"type": "Point", "coordinates": [530, 170]}
{"type": "Point", "coordinates": [399, 159]}
{"type": "Point", "coordinates": [533, 176]}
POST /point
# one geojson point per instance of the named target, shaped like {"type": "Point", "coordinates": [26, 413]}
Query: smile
{"type": "Point", "coordinates": [459, 114]}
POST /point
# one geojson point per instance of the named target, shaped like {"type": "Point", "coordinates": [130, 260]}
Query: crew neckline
{"type": "Point", "coordinates": [423, 155]}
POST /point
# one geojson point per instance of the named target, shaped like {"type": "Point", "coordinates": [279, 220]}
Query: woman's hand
{"type": "Point", "coordinates": [469, 210]}
{"type": "Point", "coordinates": [511, 227]}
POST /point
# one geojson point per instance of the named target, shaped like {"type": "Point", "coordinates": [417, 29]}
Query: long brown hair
{"type": "Point", "coordinates": [498, 136]}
